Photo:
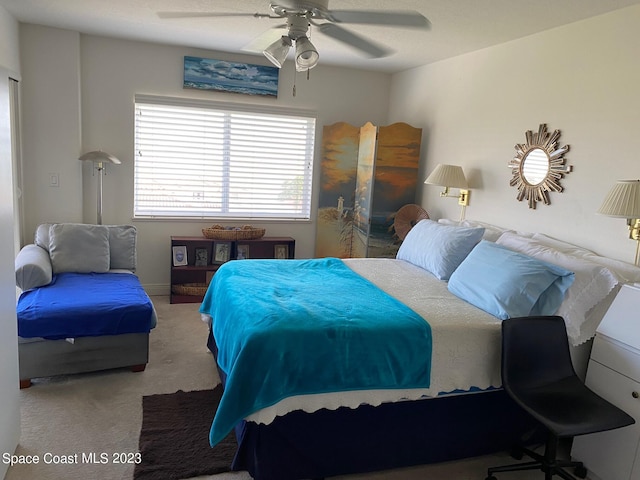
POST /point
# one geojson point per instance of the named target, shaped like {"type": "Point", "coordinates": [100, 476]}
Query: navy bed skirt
{"type": "Point", "coordinates": [327, 443]}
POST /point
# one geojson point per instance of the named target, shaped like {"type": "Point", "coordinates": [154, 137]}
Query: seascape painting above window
{"type": "Point", "coordinates": [223, 76]}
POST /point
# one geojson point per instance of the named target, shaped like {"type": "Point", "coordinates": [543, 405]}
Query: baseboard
{"type": "Point", "coordinates": [156, 289]}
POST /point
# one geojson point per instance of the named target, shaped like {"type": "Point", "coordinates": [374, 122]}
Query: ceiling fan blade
{"type": "Point", "coordinates": [262, 41]}
{"type": "Point", "coordinates": [366, 46]}
{"type": "Point", "coordinates": [210, 14]}
{"type": "Point", "coordinates": [384, 17]}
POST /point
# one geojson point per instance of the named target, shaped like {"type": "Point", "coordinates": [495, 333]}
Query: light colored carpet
{"type": "Point", "coordinates": [97, 413]}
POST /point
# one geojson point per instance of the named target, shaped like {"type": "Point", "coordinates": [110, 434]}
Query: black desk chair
{"type": "Point", "coordinates": [538, 374]}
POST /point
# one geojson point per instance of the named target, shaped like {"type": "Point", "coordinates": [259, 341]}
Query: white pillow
{"type": "Point", "coordinates": [491, 232]}
{"type": "Point", "coordinates": [448, 221]}
{"type": "Point", "coordinates": [560, 245]}
{"type": "Point", "coordinates": [81, 248]}
{"type": "Point", "coordinates": [592, 284]}
{"type": "Point", "coordinates": [626, 272]}
{"type": "Point", "coordinates": [438, 248]}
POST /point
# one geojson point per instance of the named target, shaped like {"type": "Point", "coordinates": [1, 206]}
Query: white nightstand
{"type": "Point", "coordinates": [614, 374]}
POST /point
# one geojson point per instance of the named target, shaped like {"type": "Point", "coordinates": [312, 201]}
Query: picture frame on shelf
{"type": "Point", "coordinates": [242, 252]}
{"type": "Point", "coordinates": [179, 255]}
{"type": "Point", "coordinates": [201, 257]}
{"type": "Point", "coordinates": [281, 252]}
{"type": "Point", "coordinates": [222, 252]}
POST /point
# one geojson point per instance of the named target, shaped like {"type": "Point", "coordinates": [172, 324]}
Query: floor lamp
{"type": "Point", "coordinates": [99, 159]}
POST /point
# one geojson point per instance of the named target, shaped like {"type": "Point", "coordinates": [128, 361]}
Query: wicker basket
{"type": "Point", "coordinates": [198, 289]}
{"type": "Point", "coordinates": [233, 235]}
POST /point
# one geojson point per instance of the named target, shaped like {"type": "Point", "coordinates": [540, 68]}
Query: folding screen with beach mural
{"type": "Point", "coordinates": [367, 174]}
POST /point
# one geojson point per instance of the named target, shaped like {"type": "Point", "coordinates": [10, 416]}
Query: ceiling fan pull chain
{"type": "Point", "coordinates": [295, 75]}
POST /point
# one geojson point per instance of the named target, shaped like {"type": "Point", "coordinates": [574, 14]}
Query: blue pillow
{"type": "Point", "coordinates": [438, 248]}
{"type": "Point", "coordinates": [509, 284]}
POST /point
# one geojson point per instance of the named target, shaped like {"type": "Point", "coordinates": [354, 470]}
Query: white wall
{"type": "Point", "coordinates": [9, 394]}
{"type": "Point", "coordinates": [9, 51]}
{"type": "Point", "coordinates": [51, 125]}
{"type": "Point", "coordinates": [111, 72]}
{"type": "Point", "coordinates": [582, 79]}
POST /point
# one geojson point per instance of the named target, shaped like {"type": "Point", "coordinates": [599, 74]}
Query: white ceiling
{"type": "Point", "coordinates": [458, 26]}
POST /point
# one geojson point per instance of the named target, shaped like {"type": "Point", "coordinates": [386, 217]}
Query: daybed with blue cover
{"type": "Point", "coordinates": [333, 367]}
{"type": "Point", "coordinates": [82, 308]}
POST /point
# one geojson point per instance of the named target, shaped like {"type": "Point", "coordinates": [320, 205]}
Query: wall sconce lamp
{"type": "Point", "coordinates": [99, 158]}
{"type": "Point", "coordinates": [451, 176]}
{"type": "Point", "coordinates": [623, 201]}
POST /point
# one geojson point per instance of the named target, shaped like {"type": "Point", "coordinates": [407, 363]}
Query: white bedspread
{"type": "Point", "coordinates": [466, 341]}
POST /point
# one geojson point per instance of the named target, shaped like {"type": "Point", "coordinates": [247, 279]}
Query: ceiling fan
{"type": "Point", "coordinates": [300, 15]}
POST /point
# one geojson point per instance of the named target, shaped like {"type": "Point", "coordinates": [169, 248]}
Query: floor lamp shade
{"type": "Point", "coordinates": [99, 158]}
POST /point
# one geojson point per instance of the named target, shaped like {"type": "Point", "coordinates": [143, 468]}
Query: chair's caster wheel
{"type": "Point", "coordinates": [517, 453]}
{"type": "Point", "coordinates": [491, 477]}
{"type": "Point", "coordinates": [580, 472]}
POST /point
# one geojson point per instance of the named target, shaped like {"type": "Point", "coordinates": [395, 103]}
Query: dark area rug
{"type": "Point", "coordinates": [174, 439]}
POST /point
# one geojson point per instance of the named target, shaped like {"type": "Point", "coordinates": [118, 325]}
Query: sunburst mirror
{"type": "Point", "coordinates": [538, 166]}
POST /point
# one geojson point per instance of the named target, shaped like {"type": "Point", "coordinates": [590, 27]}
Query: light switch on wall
{"type": "Point", "coordinates": [54, 180]}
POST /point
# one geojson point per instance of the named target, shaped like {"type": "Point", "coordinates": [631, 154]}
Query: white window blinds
{"type": "Point", "coordinates": [204, 160]}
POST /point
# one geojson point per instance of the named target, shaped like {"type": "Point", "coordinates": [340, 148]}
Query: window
{"type": "Point", "coordinates": [202, 160]}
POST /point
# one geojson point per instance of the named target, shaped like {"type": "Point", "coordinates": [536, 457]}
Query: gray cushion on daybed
{"type": "Point", "coordinates": [42, 236]}
{"type": "Point", "coordinates": [80, 248]}
{"type": "Point", "coordinates": [122, 242]}
{"type": "Point", "coordinates": [33, 267]}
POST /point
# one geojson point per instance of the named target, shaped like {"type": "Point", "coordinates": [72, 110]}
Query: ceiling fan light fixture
{"type": "Point", "coordinates": [301, 15]}
{"type": "Point", "coordinates": [306, 54]}
{"type": "Point", "coordinates": [277, 52]}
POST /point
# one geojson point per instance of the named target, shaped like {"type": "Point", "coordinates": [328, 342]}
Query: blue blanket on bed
{"type": "Point", "coordinates": [294, 327]}
{"type": "Point", "coordinates": [85, 305]}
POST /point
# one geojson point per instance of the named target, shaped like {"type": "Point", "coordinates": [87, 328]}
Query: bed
{"type": "Point", "coordinates": [444, 274]}
{"type": "Point", "coordinates": [82, 308]}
